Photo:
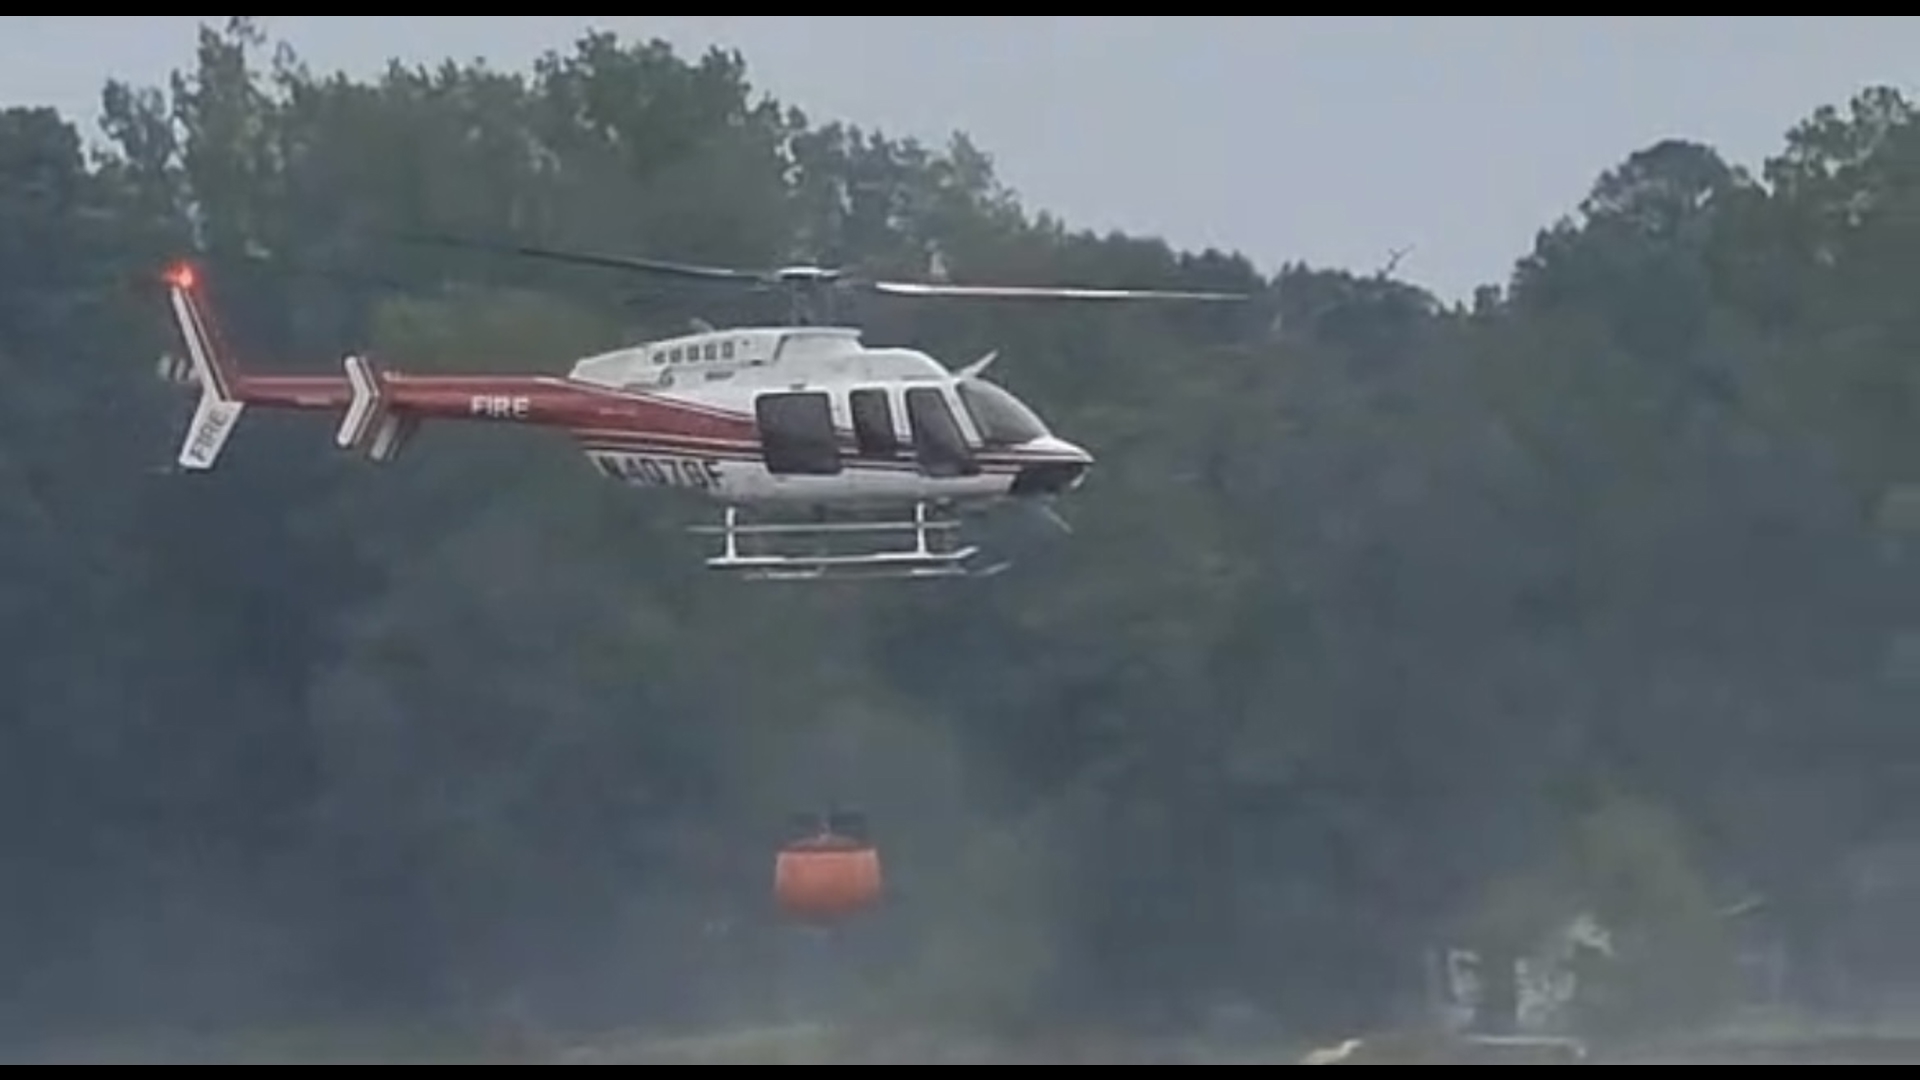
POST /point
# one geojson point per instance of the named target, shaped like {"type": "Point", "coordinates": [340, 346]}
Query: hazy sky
{"type": "Point", "coordinates": [1329, 139]}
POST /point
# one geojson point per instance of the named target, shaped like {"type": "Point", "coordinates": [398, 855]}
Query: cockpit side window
{"type": "Point", "coordinates": [1002, 419]}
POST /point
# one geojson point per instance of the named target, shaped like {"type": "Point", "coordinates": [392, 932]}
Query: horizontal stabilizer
{"type": "Point", "coordinates": [392, 433]}
{"type": "Point", "coordinates": [367, 406]}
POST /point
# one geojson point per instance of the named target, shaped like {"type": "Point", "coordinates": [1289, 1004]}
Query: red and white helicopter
{"type": "Point", "coordinates": [827, 439]}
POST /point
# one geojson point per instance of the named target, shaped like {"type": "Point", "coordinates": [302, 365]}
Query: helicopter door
{"type": "Point", "coordinates": [938, 444]}
{"type": "Point", "coordinates": [796, 433]}
{"type": "Point", "coordinates": [873, 429]}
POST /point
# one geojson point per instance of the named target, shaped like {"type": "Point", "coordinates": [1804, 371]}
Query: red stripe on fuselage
{"type": "Point", "coordinates": [533, 400]}
{"type": "Point", "coordinates": [653, 448]}
{"type": "Point", "coordinates": [610, 443]}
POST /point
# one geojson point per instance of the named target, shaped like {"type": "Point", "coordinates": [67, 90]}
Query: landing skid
{"type": "Point", "coordinates": [817, 551]}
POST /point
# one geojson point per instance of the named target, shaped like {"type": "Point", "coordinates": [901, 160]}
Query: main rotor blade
{"type": "Point", "coordinates": [607, 261]}
{"type": "Point", "coordinates": [1040, 292]}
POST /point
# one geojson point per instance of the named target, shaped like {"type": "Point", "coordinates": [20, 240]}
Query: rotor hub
{"type": "Point", "coordinates": [804, 274]}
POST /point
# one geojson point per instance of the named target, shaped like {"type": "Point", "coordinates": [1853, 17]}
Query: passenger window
{"type": "Point", "coordinates": [796, 434]}
{"type": "Point", "coordinates": [938, 444]}
{"type": "Point", "coordinates": [873, 423]}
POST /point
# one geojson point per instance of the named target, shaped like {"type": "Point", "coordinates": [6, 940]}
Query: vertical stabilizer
{"type": "Point", "coordinates": [220, 401]}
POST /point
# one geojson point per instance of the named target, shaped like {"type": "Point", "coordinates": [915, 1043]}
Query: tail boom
{"type": "Point", "coordinates": [379, 410]}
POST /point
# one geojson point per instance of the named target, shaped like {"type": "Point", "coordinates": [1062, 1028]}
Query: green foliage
{"type": "Point", "coordinates": [1362, 589]}
{"type": "Point", "coordinates": [1673, 947]}
{"type": "Point", "coordinates": [1628, 865]}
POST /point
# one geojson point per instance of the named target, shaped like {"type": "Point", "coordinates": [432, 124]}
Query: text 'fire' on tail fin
{"type": "Point", "coordinates": [220, 401]}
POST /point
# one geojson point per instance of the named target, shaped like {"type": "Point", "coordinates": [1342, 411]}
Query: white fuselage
{"type": "Point", "coordinates": [807, 415]}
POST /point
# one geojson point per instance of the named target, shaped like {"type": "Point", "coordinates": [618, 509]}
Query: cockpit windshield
{"type": "Point", "coordinates": [1003, 420]}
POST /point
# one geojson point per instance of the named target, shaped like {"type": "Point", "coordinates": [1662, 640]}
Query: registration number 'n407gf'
{"type": "Point", "coordinates": [702, 473]}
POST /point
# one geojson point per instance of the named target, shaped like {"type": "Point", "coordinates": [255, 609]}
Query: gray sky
{"type": "Point", "coordinates": [1329, 139]}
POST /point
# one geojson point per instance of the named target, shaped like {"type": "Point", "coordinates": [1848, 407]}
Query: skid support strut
{"type": "Point", "coordinates": [837, 550]}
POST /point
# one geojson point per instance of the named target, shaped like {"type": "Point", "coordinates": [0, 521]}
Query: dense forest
{"type": "Point", "coordinates": [1385, 623]}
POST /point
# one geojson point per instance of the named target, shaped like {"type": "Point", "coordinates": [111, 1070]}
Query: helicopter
{"type": "Point", "coordinates": [830, 445]}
